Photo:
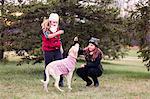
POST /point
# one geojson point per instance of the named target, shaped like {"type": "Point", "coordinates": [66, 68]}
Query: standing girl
{"type": "Point", "coordinates": [51, 44]}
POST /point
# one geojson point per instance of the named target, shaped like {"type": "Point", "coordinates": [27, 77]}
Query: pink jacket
{"type": "Point", "coordinates": [64, 66]}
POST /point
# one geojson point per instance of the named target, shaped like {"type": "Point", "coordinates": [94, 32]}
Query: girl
{"type": "Point", "coordinates": [51, 44]}
{"type": "Point", "coordinates": [93, 67]}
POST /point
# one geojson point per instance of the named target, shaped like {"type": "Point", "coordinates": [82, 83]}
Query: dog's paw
{"type": "Point", "coordinates": [70, 88]}
{"type": "Point", "coordinates": [42, 81]}
{"type": "Point", "coordinates": [46, 90]}
{"type": "Point", "coordinates": [62, 90]}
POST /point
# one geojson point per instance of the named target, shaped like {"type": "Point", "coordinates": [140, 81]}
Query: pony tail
{"type": "Point", "coordinates": [97, 53]}
{"type": "Point", "coordinates": [102, 54]}
{"type": "Point", "coordinates": [45, 25]}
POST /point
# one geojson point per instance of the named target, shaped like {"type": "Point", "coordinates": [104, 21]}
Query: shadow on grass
{"type": "Point", "coordinates": [117, 64]}
{"type": "Point", "coordinates": [130, 74]}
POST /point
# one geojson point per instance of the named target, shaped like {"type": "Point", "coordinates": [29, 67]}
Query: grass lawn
{"type": "Point", "coordinates": [122, 79]}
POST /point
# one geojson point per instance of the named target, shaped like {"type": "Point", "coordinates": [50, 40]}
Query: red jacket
{"type": "Point", "coordinates": [50, 44]}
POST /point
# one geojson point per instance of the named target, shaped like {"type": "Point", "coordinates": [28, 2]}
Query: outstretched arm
{"type": "Point", "coordinates": [56, 34]}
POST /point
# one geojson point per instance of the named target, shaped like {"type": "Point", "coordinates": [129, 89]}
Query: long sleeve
{"type": "Point", "coordinates": [46, 33]}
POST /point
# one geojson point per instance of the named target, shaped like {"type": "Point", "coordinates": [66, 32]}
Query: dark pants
{"type": "Point", "coordinates": [50, 56]}
{"type": "Point", "coordinates": [85, 73]}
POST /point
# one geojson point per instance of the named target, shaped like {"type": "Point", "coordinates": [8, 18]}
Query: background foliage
{"type": "Point", "coordinates": [98, 19]}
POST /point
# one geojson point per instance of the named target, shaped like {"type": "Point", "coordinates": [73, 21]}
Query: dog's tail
{"type": "Point", "coordinates": [47, 77]}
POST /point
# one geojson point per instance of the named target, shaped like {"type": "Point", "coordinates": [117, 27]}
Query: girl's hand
{"type": "Point", "coordinates": [82, 66]}
{"type": "Point", "coordinates": [91, 53]}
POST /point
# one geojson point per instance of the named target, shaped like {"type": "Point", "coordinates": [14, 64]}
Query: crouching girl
{"type": "Point", "coordinates": [93, 67]}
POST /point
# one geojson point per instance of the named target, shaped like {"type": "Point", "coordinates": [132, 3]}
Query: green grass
{"type": "Point", "coordinates": [133, 52]}
{"type": "Point", "coordinates": [122, 79]}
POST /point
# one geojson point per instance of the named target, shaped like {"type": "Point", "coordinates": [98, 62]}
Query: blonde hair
{"type": "Point", "coordinates": [45, 24]}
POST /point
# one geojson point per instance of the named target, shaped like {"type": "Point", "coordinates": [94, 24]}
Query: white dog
{"type": "Point", "coordinates": [62, 67]}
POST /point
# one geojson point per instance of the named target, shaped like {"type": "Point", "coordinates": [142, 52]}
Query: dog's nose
{"type": "Point", "coordinates": [76, 38]}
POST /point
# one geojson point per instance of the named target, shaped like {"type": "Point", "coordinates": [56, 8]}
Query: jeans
{"type": "Point", "coordinates": [50, 56]}
{"type": "Point", "coordinates": [85, 73]}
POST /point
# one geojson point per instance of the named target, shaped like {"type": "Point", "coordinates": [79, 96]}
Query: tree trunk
{"type": "Point", "coordinates": [1, 54]}
{"type": "Point", "coordinates": [1, 8]}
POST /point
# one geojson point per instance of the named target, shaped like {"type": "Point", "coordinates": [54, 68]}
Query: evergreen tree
{"type": "Point", "coordinates": [98, 19]}
{"type": "Point", "coordinates": [139, 26]}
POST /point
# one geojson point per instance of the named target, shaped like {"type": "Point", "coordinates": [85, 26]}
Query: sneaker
{"type": "Point", "coordinates": [61, 84]}
{"type": "Point", "coordinates": [89, 83]}
{"type": "Point", "coordinates": [96, 84]}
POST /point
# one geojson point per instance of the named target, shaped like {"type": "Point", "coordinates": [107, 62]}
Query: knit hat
{"type": "Point", "coordinates": [94, 41]}
{"type": "Point", "coordinates": [54, 17]}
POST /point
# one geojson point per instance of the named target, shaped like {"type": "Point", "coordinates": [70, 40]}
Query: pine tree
{"type": "Point", "coordinates": [86, 20]}
{"type": "Point", "coordinates": [98, 20]}
{"type": "Point", "coordinates": [141, 29]}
